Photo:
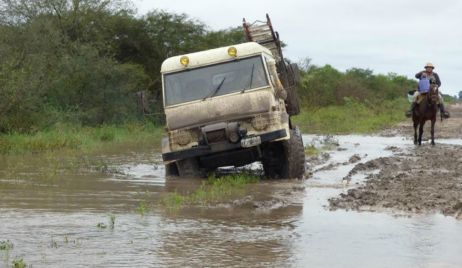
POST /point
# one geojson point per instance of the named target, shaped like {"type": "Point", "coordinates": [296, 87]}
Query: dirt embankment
{"type": "Point", "coordinates": [423, 179]}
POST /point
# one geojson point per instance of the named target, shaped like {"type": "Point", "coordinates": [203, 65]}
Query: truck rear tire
{"type": "Point", "coordinates": [286, 159]}
{"type": "Point", "coordinates": [189, 168]}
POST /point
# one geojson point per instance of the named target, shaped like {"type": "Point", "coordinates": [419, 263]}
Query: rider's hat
{"type": "Point", "coordinates": [429, 65]}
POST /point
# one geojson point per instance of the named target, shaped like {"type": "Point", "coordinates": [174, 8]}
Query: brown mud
{"type": "Point", "coordinates": [423, 179]}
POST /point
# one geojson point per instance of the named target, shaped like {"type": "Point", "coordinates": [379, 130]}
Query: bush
{"type": "Point", "coordinates": [353, 117]}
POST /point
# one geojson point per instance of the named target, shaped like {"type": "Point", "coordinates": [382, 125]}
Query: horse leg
{"type": "Point", "coordinates": [416, 124]}
{"type": "Point", "coordinates": [433, 131]}
{"type": "Point", "coordinates": [421, 126]}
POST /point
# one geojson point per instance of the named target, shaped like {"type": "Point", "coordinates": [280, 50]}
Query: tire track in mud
{"type": "Point", "coordinates": [425, 179]}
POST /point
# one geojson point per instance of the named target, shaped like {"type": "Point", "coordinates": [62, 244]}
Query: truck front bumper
{"type": "Point", "coordinates": [220, 147]}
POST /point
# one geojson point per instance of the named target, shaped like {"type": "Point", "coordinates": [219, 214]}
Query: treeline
{"type": "Point", "coordinates": [93, 62]}
{"type": "Point", "coordinates": [324, 86]}
{"type": "Point", "coordinates": [89, 62]}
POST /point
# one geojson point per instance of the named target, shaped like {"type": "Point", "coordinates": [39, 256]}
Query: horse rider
{"type": "Point", "coordinates": [434, 79]}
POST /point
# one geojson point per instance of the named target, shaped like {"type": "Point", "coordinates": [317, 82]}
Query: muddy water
{"type": "Point", "coordinates": [50, 206]}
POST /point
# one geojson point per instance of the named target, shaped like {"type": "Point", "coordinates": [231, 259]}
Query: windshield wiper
{"type": "Point", "coordinates": [251, 78]}
{"type": "Point", "coordinates": [216, 89]}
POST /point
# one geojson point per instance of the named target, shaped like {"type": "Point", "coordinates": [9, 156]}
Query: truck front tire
{"type": "Point", "coordinates": [285, 159]}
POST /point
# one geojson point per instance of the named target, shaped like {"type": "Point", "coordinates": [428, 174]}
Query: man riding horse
{"type": "Point", "coordinates": [434, 79]}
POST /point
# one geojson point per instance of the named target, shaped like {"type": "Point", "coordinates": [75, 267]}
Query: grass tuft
{"type": "Point", "coordinates": [101, 225]}
{"type": "Point", "coordinates": [6, 245]}
{"type": "Point", "coordinates": [19, 263]}
{"type": "Point", "coordinates": [311, 150]}
{"type": "Point", "coordinates": [112, 219]}
{"type": "Point", "coordinates": [142, 208]}
{"type": "Point", "coordinates": [213, 190]}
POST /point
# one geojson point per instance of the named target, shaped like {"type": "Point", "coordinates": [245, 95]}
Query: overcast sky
{"type": "Point", "coordinates": [398, 36]}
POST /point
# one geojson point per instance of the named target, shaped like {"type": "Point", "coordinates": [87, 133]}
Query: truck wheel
{"type": "Point", "coordinates": [285, 159]}
{"type": "Point", "coordinates": [171, 170]}
{"type": "Point", "coordinates": [189, 168]}
{"type": "Point", "coordinates": [293, 162]}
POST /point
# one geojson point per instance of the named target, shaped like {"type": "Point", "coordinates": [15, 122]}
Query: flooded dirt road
{"type": "Point", "coordinates": [423, 179]}
{"type": "Point", "coordinates": [105, 210]}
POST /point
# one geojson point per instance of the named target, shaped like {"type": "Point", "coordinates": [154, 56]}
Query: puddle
{"type": "Point", "coordinates": [50, 207]}
{"type": "Point", "coordinates": [351, 239]}
{"type": "Point", "coordinates": [366, 147]}
{"type": "Point", "coordinates": [450, 141]}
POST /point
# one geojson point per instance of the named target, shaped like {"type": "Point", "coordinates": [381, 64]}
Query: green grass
{"type": "Point", "coordinates": [142, 208]}
{"type": "Point", "coordinates": [101, 225]}
{"type": "Point", "coordinates": [6, 245]}
{"type": "Point", "coordinates": [112, 219]}
{"type": "Point", "coordinates": [353, 117]}
{"type": "Point", "coordinates": [18, 263]}
{"type": "Point", "coordinates": [311, 150]}
{"type": "Point", "coordinates": [213, 190]}
{"type": "Point", "coordinates": [80, 138]}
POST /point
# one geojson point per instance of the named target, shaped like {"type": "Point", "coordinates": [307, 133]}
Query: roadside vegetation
{"type": "Point", "coordinates": [81, 138]}
{"type": "Point", "coordinates": [77, 74]}
{"type": "Point", "coordinates": [352, 117]}
{"type": "Point", "coordinates": [354, 101]}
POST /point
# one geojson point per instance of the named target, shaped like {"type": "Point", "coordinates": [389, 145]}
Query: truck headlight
{"type": "Point", "coordinates": [234, 137]}
{"type": "Point", "coordinates": [259, 123]}
{"type": "Point", "coordinates": [181, 137]}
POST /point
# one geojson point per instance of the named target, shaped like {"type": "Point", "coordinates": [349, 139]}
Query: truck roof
{"type": "Point", "coordinates": [212, 56]}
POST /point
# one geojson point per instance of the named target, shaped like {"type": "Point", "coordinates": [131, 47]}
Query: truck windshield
{"type": "Point", "coordinates": [215, 80]}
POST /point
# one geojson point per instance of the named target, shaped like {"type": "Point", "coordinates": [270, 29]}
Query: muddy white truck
{"type": "Point", "coordinates": [232, 106]}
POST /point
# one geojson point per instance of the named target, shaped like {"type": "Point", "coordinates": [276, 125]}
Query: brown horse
{"type": "Point", "coordinates": [426, 110]}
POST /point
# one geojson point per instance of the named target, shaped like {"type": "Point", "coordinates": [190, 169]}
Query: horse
{"type": "Point", "coordinates": [424, 111]}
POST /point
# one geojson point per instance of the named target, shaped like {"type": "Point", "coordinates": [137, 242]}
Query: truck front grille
{"type": "Point", "coordinates": [216, 136]}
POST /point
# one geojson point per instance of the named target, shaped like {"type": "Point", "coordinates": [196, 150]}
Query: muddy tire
{"type": "Point", "coordinates": [285, 159]}
{"type": "Point", "coordinates": [171, 170]}
{"type": "Point", "coordinates": [189, 168]}
{"type": "Point", "coordinates": [293, 164]}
